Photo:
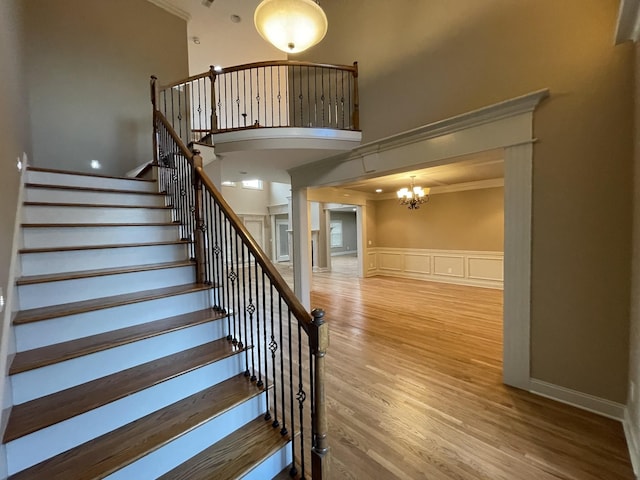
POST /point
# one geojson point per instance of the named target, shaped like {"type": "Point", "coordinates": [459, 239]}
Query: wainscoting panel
{"type": "Point", "coordinates": [483, 269]}
{"type": "Point", "coordinates": [390, 261]}
{"type": "Point", "coordinates": [448, 265]}
{"type": "Point", "coordinates": [417, 263]}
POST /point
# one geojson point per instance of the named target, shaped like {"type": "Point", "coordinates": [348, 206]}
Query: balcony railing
{"type": "Point", "coordinates": [262, 95]}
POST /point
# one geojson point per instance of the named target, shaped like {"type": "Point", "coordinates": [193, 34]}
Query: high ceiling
{"type": "Point", "coordinates": [226, 41]}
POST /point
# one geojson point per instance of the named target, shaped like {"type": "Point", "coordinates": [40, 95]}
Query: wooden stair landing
{"type": "Point", "coordinates": [104, 455]}
{"type": "Point", "coordinates": [45, 411]}
{"type": "Point", "coordinates": [233, 456]}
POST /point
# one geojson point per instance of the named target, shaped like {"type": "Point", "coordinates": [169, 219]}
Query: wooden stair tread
{"type": "Point", "coordinates": [95, 205]}
{"type": "Point", "coordinates": [40, 357]}
{"type": "Point", "coordinates": [55, 311]}
{"type": "Point", "coordinates": [233, 456]}
{"type": "Point", "coordinates": [45, 411]}
{"type": "Point", "coordinates": [89, 189]}
{"type": "Point", "coordinates": [80, 225]}
{"type": "Point", "coordinates": [98, 247]}
{"type": "Point", "coordinates": [101, 272]}
{"type": "Point", "coordinates": [114, 450]}
{"type": "Point", "coordinates": [85, 174]}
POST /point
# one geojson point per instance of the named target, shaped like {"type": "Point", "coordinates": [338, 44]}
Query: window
{"type": "Point", "coordinates": [228, 184]}
{"type": "Point", "coordinates": [252, 184]}
{"type": "Point", "coordinates": [336, 233]}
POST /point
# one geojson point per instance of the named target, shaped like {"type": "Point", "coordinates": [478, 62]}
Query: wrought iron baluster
{"type": "Point", "coordinates": [301, 396]}
{"type": "Point", "coordinates": [273, 347]}
{"type": "Point", "coordinates": [257, 342]}
{"type": "Point", "coordinates": [283, 430]}
{"type": "Point", "coordinates": [291, 415]}
{"type": "Point", "coordinates": [267, 415]}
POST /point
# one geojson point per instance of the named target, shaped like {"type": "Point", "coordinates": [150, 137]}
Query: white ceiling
{"type": "Point", "coordinates": [465, 172]}
{"type": "Point", "coordinates": [222, 41]}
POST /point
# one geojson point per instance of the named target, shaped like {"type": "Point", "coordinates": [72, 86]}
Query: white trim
{"type": "Point", "coordinates": [481, 116]}
{"type": "Point", "coordinates": [427, 270]}
{"type": "Point", "coordinates": [633, 443]}
{"type": "Point", "coordinates": [461, 187]}
{"type": "Point", "coordinates": [172, 9]}
{"type": "Point", "coordinates": [506, 125]}
{"type": "Point", "coordinates": [628, 24]}
{"type": "Point", "coordinates": [518, 193]}
{"type": "Point", "coordinates": [584, 401]}
{"type": "Point", "coordinates": [7, 338]}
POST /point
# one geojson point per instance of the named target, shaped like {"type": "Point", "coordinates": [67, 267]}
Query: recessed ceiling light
{"type": "Point", "coordinates": [196, 40]}
{"type": "Point", "coordinates": [378, 190]}
{"type": "Point", "coordinates": [95, 164]}
{"type": "Point", "coordinates": [235, 18]}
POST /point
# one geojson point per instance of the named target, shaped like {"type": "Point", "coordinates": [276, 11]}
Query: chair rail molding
{"type": "Point", "coordinates": [506, 125]}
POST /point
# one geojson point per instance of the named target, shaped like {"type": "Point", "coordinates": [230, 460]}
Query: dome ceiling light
{"type": "Point", "coordinates": [291, 25]}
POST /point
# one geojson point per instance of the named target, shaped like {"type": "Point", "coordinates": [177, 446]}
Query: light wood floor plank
{"type": "Point", "coordinates": [415, 391]}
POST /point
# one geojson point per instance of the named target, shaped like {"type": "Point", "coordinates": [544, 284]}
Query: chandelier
{"type": "Point", "coordinates": [291, 25]}
{"type": "Point", "coordinates": [414, 196]}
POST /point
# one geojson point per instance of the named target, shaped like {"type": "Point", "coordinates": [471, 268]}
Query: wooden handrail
{"type": "Point", "coordinates": [186, 166]}
{"type": "Point", "coordinates": [185, 80]}
{"type": "Point", "coordinates": [286, 63]}
{"type": "Point", "coordinates": [288, 296]}
{"type": "Point", "coordinates": [176, 138]}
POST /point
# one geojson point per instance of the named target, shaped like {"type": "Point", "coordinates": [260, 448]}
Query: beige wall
{"type": "Point", "coordinates": [425, 61]}
{"type": "Point", "coordinates": [14, 136]}
{"type": "Point", "coordinates": [469, 220]}
{"type": "Point", "coordinates": [634, 337]}
{"type": "Point", "coordinates": [88, 68]}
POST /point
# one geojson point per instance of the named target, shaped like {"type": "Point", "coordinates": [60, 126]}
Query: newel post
{"type": "Point", "coordinates": [356, 99]}
{"type": "Point", "coordinates": [214, 115]}
{"type": "Point", "coordinates": [154, 102]}
{"type": "Point", "coordinates": [198, 234]}
{"type": "Point", "coordinates": [320, 450]}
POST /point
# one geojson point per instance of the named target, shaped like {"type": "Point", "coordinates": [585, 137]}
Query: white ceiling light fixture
{"type": "Point", "coordinates": [291, 25]}
{"type": "Point", "coordinates": [413, 197]}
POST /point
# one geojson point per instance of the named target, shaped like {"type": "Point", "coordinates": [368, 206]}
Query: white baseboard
{"type": "Point", "coordinates": [584, 401]}
{"type": "Point", "coordinates": [633, 443]}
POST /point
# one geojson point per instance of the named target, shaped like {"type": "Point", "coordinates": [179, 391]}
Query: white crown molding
{"type": "Point", "coordinates": [461, 187]}
{"type": "Point", "coordinates": [172, 9]}
{"type": "Point", "coordinates": [491, 113]}
{"type": "Point", "coordinates": [458, 187]}
{"type": "Point", "coordinates": [628, 26]}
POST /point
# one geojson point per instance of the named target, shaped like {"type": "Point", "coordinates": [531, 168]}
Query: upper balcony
{"type": "Point", "coordinates": [266, 117]}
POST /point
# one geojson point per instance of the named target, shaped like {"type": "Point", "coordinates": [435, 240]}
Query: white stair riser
{"type": "Point", "coordinates": [93, 259]}
{"type": "Point", "coordinates": [76, 290]}
{"type": "Point", "coordinates": [45, 237]}
{"type": "Point", "coordinates": [273, 465]}
{"type": "Point", "coordinates": [59, 376]}
{"type": "Point", "coordinates": [55, 195]}
{"type": "Point", "coordinates": [70, 327]}
{"type": "Point", "coordinates": [71, 180]}
{"type": "Point", "coordinates": [36, 447]}
{"type": "Point", "coordinates": [53, 214]}
{"type": "Point", "coordinates": [180, 450]}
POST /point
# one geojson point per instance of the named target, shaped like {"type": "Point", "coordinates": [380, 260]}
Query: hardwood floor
{"type": "Point", "coordinates": [414, 392]}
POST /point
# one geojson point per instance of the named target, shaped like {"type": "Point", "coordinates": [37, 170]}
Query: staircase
{"type": "Point", "coordinates": [124, 369]}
